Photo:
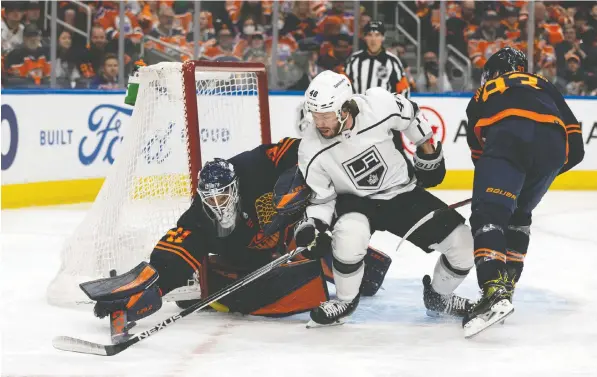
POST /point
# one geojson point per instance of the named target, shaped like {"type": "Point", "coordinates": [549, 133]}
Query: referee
{"type": "Point", "coordinates": [375, 67]}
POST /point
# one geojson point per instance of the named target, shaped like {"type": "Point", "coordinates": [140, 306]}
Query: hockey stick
{"type": "Point", "coordinates": [429, 216]}
{"type": "Point", "coordinates": [67, 343]}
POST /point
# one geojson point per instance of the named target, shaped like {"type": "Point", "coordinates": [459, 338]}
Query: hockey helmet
{"type": "Point", "coordinates": [328, 92]}
{"type": "Point", "coordinates": [218, 189]}
{"type": "Point", "coordinates": [507, 59]}
{"type": "Point", "coordinates": [290, 198]}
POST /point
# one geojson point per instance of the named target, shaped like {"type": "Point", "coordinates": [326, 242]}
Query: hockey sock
{"type": "Point", "coordinates": [348, 277]}
{"type": "Point", "coordinates": [517, 243]}
{"type": "Point", "coordinates": [487, 223]}
{"type": "Point", "coordinates": [455, 261]}
{"type": "Point", "coordinates": [446, 278]}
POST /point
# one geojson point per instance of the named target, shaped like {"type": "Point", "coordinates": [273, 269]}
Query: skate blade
{"type": "Point", "coordinates": [442, 315]}
{"type": "Point", "coordinates": [312, 324]}
{"type": "Point", "coordinates": [499, 312]}
{"type": "Point", "coordinates": [433, 313]}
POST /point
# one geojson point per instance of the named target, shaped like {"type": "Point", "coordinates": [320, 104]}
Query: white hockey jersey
{"type": "Point", "coordinates": [362, 161]}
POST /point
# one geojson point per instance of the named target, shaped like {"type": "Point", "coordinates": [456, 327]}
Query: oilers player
{"type": "Point", "coordinates": [350, 162]}
{"type": "Point", "coordinates": [522, 134]}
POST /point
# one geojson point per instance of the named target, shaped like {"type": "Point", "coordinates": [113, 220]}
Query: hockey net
{"type": "Point", "coordinates": [185, 114]}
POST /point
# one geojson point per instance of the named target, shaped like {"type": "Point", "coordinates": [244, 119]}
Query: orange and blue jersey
{"type": "Point", "coordinates": [522, 95]}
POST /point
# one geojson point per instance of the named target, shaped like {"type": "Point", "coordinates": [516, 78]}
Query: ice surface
{"type": "Point", "coordinates": [553, 331]}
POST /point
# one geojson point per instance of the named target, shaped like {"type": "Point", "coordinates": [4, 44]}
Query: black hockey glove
{"type": "Point", "coordinates": [313, 234]}
{"type": "Point", "coordinates": [430, 169]}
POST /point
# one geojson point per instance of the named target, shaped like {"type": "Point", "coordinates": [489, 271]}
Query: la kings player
{"type": "Point", "coordinates": [350, 163]}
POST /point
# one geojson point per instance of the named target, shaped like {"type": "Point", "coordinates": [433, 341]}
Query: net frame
{"type": "Point", "coordinates": [190, 71]}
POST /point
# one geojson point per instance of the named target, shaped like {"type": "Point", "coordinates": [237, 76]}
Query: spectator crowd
{"type": "Point", "coordinates": [312, 36]}
{"type": "Point", "coordinates": [565, 37]}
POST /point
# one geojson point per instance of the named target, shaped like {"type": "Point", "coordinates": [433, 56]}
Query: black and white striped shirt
{"type": "Point", "coordinates": [384, 70]}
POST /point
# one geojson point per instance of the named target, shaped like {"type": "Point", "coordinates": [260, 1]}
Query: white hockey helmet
{"type": "Point", "coordinates": [327, 92]}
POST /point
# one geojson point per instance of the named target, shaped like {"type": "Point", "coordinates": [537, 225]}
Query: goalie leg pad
{"type": "Point", "coordinates": [376, 267]}
{"type": "Point", "coordinates": [289, 289]}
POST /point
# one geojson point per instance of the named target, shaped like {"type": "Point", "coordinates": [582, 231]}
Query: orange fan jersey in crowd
{"type": "Point", "coordinates": [109, 20]}
{"type": "Point", "coordinates": [423, 7]}
{"type": "Point", "coordinates": [469, 30]}
{"type": "Point", "coordinates": [27, 63]}
{"type": "Point", "coordinates": [541, 48]}
{"type": "Point", "coordinates": [86, 69]}
{"type": "Point", "coordinates": [286, 46]}
{"type": "Point", "coordinates": [453, 9]}
{"type": "Point", "coordinates": [480, 49]}
{"type": "Point", "coordinates": [243, 44]}
{"type": "Point", "coordinates": [216, 52]}
{"type": "Point", "coordinates": [184, 21]}
{"type": "Point", "coordinates": [346, 19]}
{"type": "Point", "coordinates": [553, 32]}
{"type": "Point", "coordinates": [147, 18]}
{"type": "Point", "coordinates": [512, 4]}
{"type": "Point", "coordinates": [511, 31]}
{"type": "Point", "coordinates": [558, 14]}
{"type": "Point", "coordinates": [233, 8]}
{"type": "Point", "coordinates": [176, 37]}
{"type": "Point", "coordinates": [331, 62]}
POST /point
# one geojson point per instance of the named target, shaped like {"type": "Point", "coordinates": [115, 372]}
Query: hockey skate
{"type": "Point", "coordinates": [492, 308]}
{"type": "Point", "coordinates": [510, 285]}
{"type": "Point", "coordinates": [438, 304]}
{"type": "Point", "coordinates": [332, 313]}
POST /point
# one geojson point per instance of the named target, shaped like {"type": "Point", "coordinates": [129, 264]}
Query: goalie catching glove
{"type": "Point", "coordinates": [290, 197]}
{"type": "Point", "coordinates": [430, 169]}
{"type": "Point", "coordinates": [315, 235]}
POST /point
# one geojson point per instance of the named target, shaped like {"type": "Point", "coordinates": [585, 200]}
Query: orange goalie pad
{"type": "Point", "coordinates": [289, 289]}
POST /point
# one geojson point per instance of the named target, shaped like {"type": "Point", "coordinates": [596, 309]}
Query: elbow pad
{"type": "Point", "coordinates": [419, 130]}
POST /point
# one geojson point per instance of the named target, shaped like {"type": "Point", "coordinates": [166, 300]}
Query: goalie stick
{"type": "Point", "coordinates": [429, 216]}
{"type": "Point", "coordinates": [67, 343]}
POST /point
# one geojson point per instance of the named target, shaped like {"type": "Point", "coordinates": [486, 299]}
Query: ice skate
{"type": "Point", "coordinates": [493, 307]}
{"type": "Point", "coordinates": [332, 313]}
{"type": "Point", "coordinates": [438, 304]}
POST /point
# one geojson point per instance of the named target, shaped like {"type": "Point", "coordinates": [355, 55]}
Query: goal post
{"type": "Point", "coordinates": [215, 71]}
{"type": "Point", "coordinates": [185, 115]}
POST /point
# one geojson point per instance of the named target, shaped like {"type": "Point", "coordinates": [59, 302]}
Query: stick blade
{"type": "Point", "coordinates": [66, 343]}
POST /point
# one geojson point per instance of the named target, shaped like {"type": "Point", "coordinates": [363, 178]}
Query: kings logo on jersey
{"type": "Point", "coordinates": [367, 170]}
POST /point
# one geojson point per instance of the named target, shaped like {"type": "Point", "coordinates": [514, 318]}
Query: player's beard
{"type": "Point", "coordinates": [331, 132]}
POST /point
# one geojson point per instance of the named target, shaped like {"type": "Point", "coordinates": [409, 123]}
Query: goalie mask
{"type": "Point", "coordinates": [218, 189]}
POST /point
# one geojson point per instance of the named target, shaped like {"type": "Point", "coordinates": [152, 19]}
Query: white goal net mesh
{"type": "Point", "coordinates": [149, 185]}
